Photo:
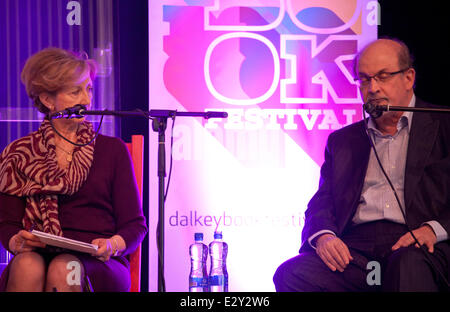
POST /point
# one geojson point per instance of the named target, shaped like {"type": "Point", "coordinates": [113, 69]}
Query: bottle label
{"type": "Point", "coordinates": [198, 282]}
{"type": "Point", "coordinates": [218, 280]}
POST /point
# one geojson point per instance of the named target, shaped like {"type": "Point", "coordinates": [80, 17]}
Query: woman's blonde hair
{"type": "Point", "coordinates": [52, 69]}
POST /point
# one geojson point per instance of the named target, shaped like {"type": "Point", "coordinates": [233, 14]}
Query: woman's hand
{"type": "Point", "coordinates": [108, 247]}
{"type": "Point", "coordinates": [105, 249]}
{"type": "Point", "coordinates": [24, 241]}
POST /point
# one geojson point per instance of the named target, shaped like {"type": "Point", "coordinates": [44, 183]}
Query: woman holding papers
{"type": "Point", "coordinates": [65, 181]}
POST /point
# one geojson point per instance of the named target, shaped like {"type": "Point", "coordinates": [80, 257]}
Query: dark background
{"type": "Point", "coordinates": [132, 31]}
{"type": "Point", "coordinates": [423, 26]}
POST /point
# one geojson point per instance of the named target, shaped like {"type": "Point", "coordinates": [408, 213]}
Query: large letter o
{"type": "Point", "coordinates": [276, 76]}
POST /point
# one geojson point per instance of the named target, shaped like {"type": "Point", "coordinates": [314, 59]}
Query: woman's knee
{"type": "Point", "coordinates": [29, 264]}
{"type": "Point", "coordinates": [65, 272]}
{"type": "Point", "coordinates": [27, 272]}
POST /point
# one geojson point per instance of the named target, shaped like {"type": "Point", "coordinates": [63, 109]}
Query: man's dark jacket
{"type": "Point", "coordinates": [427, 176]}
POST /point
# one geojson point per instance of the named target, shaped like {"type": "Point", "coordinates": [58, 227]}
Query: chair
{"type": "Point", "coordinates": [136, 148]}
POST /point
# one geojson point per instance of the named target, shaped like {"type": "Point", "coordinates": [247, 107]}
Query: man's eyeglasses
{"type": "Point", "coordinates": [380, 77]}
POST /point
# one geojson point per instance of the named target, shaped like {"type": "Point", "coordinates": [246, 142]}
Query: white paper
{"type": "Point", "coordinates": [66, 243]}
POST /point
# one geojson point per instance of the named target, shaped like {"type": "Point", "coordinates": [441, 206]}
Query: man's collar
{"type": "Point", "coordinates": [409, 115]}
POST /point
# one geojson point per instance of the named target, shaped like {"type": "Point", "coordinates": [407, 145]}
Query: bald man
{"type": "Point", "coordinates": [357, 233]}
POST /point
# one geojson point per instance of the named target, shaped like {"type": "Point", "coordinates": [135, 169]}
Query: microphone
{"type": "Point", "coordinates": [71, 112]}
{"type": "Point", "coordinates": [216, 115]}
{"type": "Point", "coordinates": [375, 110]}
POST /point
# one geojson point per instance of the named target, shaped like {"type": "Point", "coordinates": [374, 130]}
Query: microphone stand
{"type": "Point", "coordinates": [159, 124]}
{"type": "Point", "coordinates": [387, 108]}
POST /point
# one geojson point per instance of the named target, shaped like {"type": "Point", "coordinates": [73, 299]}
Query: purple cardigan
{"type": "Point", "coordinates": [107, 204]}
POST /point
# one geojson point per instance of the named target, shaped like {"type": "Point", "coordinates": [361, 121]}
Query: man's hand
{"type": "Point", "coordinates": [333, 252]}
{"type": "Point", "coordinates": [425, 236]}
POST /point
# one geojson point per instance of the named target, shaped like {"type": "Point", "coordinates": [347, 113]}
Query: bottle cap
{"type": "Point", "coordinates": [198, 236]}
{"type": "Point", "coordinates": [217, 235]}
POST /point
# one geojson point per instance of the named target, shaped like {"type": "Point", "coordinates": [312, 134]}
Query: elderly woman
{"type": "Point", "coordinates": [67, 183]}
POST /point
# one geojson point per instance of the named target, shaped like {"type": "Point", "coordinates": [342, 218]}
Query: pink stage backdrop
{"type": "Point", "coordinates": [283, 72]}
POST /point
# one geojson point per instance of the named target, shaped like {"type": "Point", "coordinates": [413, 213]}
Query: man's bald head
{"type": "Point", "coordinates": [385, 73]}
{"type": "Point", "coordinates": [398, 48]}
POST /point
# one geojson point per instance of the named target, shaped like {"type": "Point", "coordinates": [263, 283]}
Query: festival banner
{"type": "Point", "coordinates": [283, 71]}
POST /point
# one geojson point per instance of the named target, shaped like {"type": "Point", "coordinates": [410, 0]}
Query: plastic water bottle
{"type": "Point", "coordinates": [198, 277]}
{"type": "Point", "coordinates": [218, 275]}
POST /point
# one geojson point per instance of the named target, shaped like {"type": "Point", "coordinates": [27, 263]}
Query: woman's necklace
{"type": "Point", "coordinates": [69, 154]}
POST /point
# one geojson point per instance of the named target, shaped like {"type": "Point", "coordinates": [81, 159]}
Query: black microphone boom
{"type": "Point", "coordinates": [153, 113]}
{"type": "Point", "coordinates": [375, 110]}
